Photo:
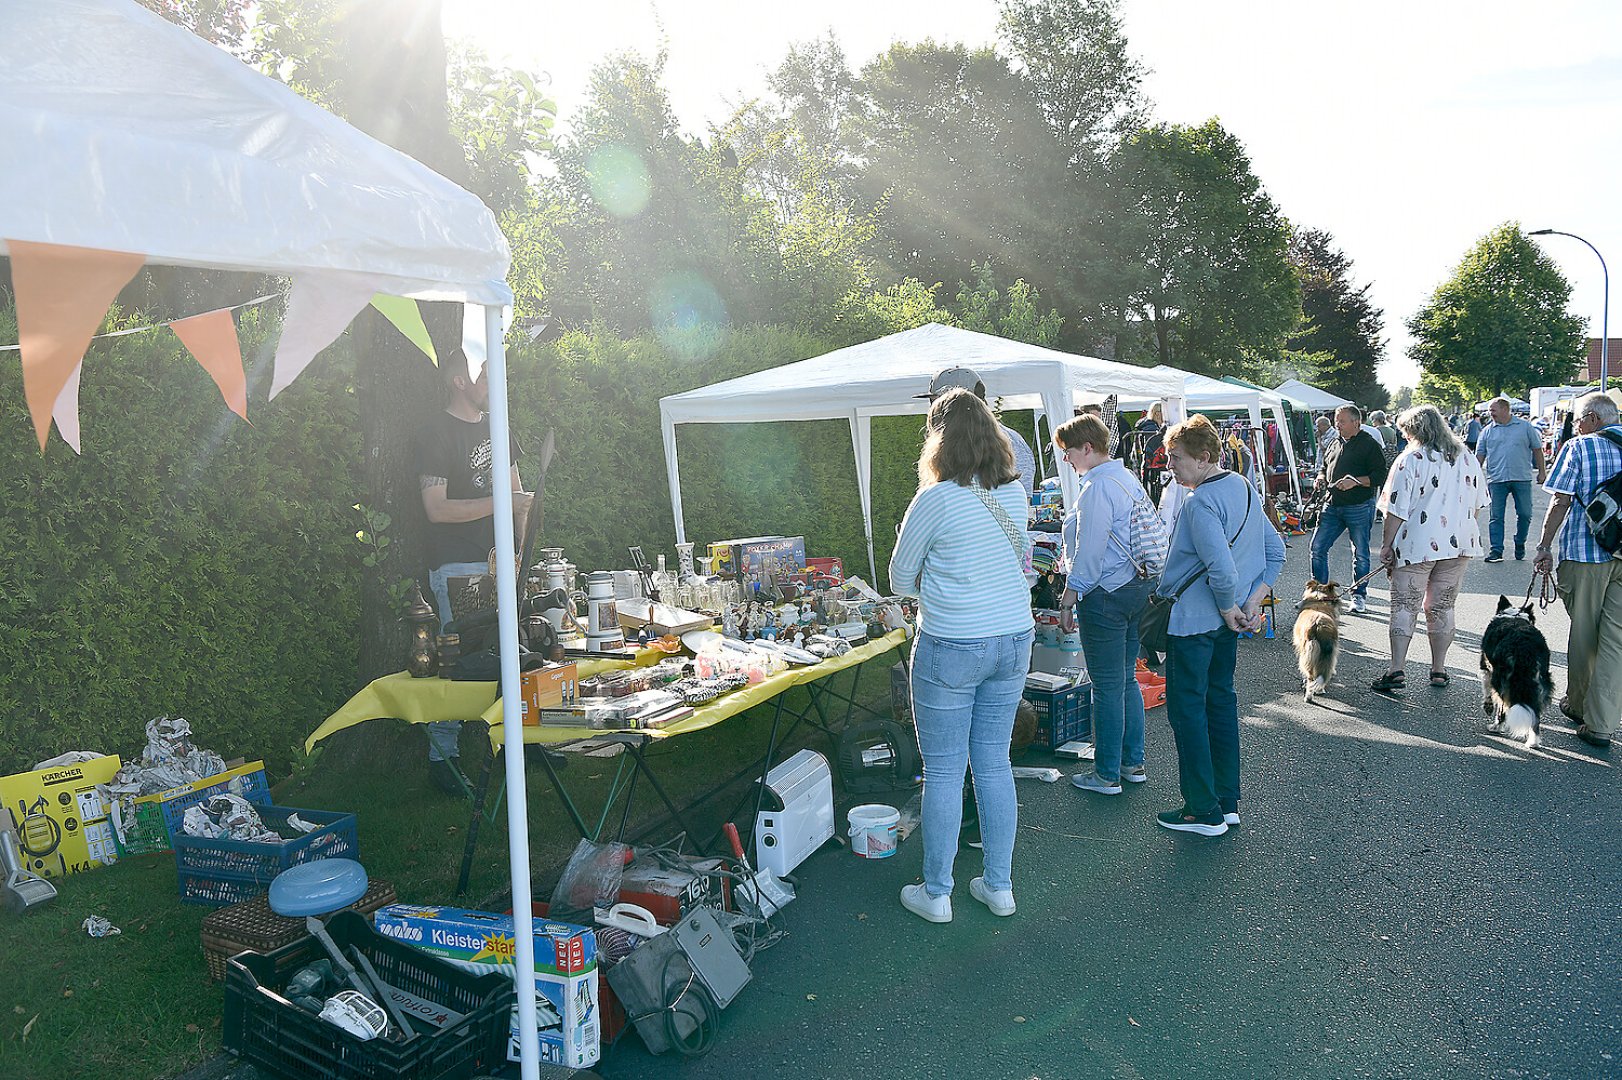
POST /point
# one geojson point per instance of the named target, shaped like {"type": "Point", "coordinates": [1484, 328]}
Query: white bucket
{"type": "Point", "coordinates": [873, 830]}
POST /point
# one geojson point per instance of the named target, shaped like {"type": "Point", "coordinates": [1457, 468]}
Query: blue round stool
{"type": "Point", "coordinates": [317, 888]}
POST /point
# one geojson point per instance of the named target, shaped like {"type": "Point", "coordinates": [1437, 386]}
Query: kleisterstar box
{"type": "Point", "coordinates": [61, 819]}
{"type": "Point", "coordinates": [565, 970]}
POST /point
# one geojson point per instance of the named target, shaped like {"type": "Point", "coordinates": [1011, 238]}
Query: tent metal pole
{"type": "Point", "coordinates": [512, 721]}
{"type": "Point", "coordinates": [673, 474]}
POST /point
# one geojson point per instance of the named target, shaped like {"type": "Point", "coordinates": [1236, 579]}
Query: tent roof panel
{"type": "Point", "coordinates": [1309, 397]}
{"type": "Point", "coordinates": [886, 376]}
{"type": "Point", "coordinates": [132, 128]}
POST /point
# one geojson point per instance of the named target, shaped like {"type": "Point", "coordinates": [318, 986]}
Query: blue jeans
{"type": "Point", "coordinates": [964, 694]}
{"type": "Point", "coordinates": [1357, 520]}
{"type": "Point", "coordinates": [1500, 493]}
{"type": "Point", "coordinates": [1204, 714]}
{"type": "Point", "coordinates": [1109, 636]}
{"type": "Point", "coordinates": [443, 735]}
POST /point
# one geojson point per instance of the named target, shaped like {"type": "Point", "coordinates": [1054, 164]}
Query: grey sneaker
{"type": "Point", "coordinates": [1000, 901]}
{"type": "Point", "coordinates": [1360, 603]}
{"type": "Point", "coordinates": [1091, 781]}
{"type": "Point", "coordinates": [935, 909]}
{"type": "Point", "coordinates": [1134, 774]}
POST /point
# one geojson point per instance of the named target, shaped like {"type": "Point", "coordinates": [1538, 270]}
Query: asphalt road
{"type": "Point", "coordinates": [1408, 896]}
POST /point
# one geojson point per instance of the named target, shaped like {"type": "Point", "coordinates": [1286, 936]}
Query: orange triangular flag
{"type": "Point", "coordinates": [63, 293]}
{"type": "Point", "coordinates": [212, 339]}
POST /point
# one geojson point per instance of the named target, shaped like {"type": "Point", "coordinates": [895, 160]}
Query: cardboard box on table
{"type": "Point", "coordinates": [748, 557]}
{"type": "Point", "coordinates": [61, 820]}
{"type": "Point", "coordinates": [547, 688]}
{"type": "Point", "coordinates": [481, 941]}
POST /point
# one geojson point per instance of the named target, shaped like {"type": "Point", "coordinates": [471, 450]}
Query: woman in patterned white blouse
{"type": "Point", "coordinates": [1430, 500]}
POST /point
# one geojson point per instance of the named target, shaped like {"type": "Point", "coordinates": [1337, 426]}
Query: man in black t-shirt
{"type": "Point", "coordinates": [453, 467]}
{"type": "Point", "coordinates": [1353, 468]}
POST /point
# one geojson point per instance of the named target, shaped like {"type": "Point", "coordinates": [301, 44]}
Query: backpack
{"type": "Point", "coordinates": [1604, 510]}
{"type": "Point", "coordinates": [1147, 540]}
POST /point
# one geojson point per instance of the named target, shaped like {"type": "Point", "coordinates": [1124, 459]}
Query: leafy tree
{"type": "Point", "coordinates": [1202, 250]}
{"type": "Point", "coordinates": [1075, 58]}
{"type": "Point", "coordinates": [219, 22]}
{"type": "Point", "coordinates": [956, 146]}
{"type": "Point", "coordinates": [983, 307]}
{"type": "Point", "coordinates": [660, 232]}
{"type": "Point", "coordinates": [1499, 322]}
{"type": "Point", "coordinates": [1339, 320]}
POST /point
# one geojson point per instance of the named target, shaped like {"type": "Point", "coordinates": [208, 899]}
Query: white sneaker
{"type": "Point", "coordinates": [1359, 603]}
{"type": "Point", "coordinates": [1134, 774]}
{"type": "Point", "coordinates": [1231, 820]}
{"type": "Point", "coordinates": [936, 909]}
{"type": "Point", "coordinates": [1001, 902]}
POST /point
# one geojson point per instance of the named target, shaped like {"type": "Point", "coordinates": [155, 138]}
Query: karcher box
{"type": "Point", "coordinates": [61, 819]}
{"type": "Point", "coordinates": [565, 970]}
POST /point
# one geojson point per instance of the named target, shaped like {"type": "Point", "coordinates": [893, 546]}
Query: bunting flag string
{"type": "Point", "coordinates": [63, 295]}
{"type": "Point", "coordinates": [255, 302]}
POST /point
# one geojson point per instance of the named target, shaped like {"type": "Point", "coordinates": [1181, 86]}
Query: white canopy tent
{"type": "Point", "coordinates": [1307, 397]}
{"type": "Point", "coordinates": [1201, 393]}
{"type": "Point", "coordinates": [131, 135]}
{"type": "Point", "coordinates": [886, 377]}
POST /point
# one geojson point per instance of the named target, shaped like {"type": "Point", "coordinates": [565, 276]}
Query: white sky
{"type": "Point", "coordinates": [1407, 130]}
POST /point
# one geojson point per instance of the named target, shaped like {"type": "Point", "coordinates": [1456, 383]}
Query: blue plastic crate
{"type": "Point", "coordinates": [217, 872]}
{"type": "Point", "coordinates": [1062, 715]}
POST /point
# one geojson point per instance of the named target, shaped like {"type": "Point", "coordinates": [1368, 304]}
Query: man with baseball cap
{"type": "Point", "coordinates": [962, 378]}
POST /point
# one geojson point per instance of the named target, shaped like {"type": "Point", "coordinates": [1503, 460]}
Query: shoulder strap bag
{"type": "Point", "coordinates": [1016, 536]}
{"type": "Point", "coordinates": [1154, 624]}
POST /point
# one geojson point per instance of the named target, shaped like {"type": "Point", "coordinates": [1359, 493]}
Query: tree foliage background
{"type": "Point", "coordinates": [1020, 187]}
{"type": "Point", "coordinates": [1498, 323]}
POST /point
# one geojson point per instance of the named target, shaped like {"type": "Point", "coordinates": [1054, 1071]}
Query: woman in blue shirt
{"type": "Point", "coordinates": [1224, 558]}
{"type": "Point", "coordinates": [1105, 592]}
{"type": "Point", "coordinates": [962, 551]}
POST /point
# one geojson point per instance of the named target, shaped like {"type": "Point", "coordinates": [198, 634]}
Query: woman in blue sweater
{"type": "Point", "coordinates": [1224, 558]}
{"type": "Point", "coordinates": [962, 551]}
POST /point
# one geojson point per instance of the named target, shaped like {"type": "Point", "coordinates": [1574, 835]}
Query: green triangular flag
{"type": "Point", "coordinates": [407, 318]}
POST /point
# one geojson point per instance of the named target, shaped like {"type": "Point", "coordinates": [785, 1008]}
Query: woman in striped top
{"type": "Point", "coordinates": [962, 551]}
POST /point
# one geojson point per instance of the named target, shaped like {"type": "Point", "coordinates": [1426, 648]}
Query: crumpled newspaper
{"type": "Point", "coordinates": [96, 926]}
{"type": "Point", "coordinates": [72, 757]}
{"type": "Point", "coordinates": [228, 817]}
{"type": "Point", "coordinates": [169, 760]}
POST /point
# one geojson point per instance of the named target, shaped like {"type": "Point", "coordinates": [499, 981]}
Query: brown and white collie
{"type": "Point", "coordinates": [1317, 635]}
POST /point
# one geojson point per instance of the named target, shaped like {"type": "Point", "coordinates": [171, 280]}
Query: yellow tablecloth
{"type": "Point", "coordinates": [728, 705]}
{"type": "Point", "coordinates": [423, 701]}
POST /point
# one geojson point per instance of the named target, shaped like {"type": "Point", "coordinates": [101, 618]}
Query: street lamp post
{"type": "Point", "coordinates": [1605, 309]}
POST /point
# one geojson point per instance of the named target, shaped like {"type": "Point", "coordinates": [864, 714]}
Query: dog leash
{"type": "Point", "coordinates": [1546, 594]}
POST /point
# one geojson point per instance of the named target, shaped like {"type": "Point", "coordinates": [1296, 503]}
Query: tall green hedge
{"type": "Point", "coordinates": [189, 563]}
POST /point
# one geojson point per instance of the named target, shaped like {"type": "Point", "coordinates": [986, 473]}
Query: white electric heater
{"type": "Point", "coordinates": [785, 838]}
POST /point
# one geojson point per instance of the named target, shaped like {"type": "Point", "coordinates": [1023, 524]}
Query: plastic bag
{"type": "Point", "coordinates": [591, 880]}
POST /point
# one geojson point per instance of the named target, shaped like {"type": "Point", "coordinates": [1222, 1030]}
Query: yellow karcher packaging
{"type": "Point", "coordinates": [61, 819]}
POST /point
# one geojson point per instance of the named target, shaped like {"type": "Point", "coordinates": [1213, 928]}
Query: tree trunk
{"type": "Point", "coordinates": [398, 96]}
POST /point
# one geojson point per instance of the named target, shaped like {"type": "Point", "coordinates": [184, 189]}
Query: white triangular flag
{"type": "Point", "coordinates": [320, 306]}
{"type": "Point", "coordinates": [66, 410]}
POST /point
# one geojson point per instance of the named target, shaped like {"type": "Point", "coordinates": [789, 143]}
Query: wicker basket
{"type": "Point", "coordinates": [251, 925]}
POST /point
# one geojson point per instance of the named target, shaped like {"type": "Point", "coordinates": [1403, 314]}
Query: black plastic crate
{"type": "Point", "coordinates": [264, 1028]}
{"type": "Point", "coordinates": [1062, 715]}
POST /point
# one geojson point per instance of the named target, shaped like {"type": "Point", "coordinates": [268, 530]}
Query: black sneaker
{"type": "Point", "coordinates": [1520, 552]}
{"type": "Point", "coordinates": [1181, 821]}
{"type": "Point", "coordinates": [1495, 557]}
{"type": "Point", "coordinates": [445, 778]}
